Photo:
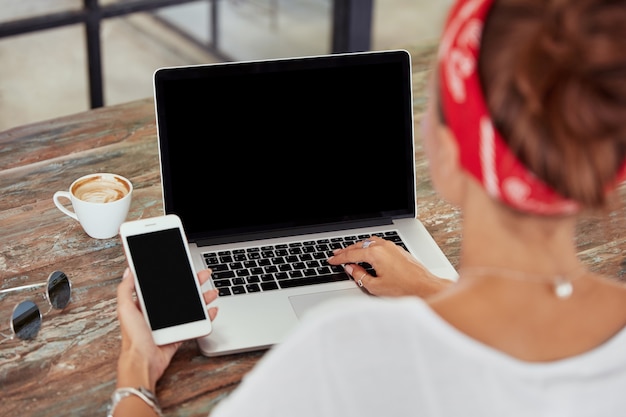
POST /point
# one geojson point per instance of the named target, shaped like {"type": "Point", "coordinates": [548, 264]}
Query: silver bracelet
{"type": "Point", "coordinates": [145, 394]}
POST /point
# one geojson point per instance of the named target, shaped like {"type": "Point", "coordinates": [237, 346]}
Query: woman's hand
{"type": "Point", "coordinates": [397, 272]}
{"type": "Point", "coordinates": [141, 361]}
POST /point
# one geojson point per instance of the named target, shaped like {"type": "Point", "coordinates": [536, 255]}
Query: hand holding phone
{"type": "Point", "coordinates": [165, 281]}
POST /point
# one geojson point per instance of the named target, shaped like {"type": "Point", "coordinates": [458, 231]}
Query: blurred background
{"type": "Point", "coordinates": [44, 73]}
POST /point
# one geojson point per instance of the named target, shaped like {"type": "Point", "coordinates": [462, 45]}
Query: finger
{"type": "Point", "coordinates": [352, 256]}
{"type": "Point", "coordinates": [367, 282]}
{"type": "Point", "coordinates": [356, 252]}
{"type": "Point", "coordinates": [213, 313]}
{"type": "Point", "coordinates": [363, 244]}
{"type": "Point", "coordinates": [361, 281]}
{"type": "Point", "coordinates": [367, 242]}
{"type": "Point", "coordinates": [128, 311]}
{"type": "Point", "coordinates": [125, 290]}
{"type": "Point", "coordinates": [210, 295]}
{"type": "Point", "coordinates": [358, 273]}
{"type": "Point", "coordinates": [204, 275]}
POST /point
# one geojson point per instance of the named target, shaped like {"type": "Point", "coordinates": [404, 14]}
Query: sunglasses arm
{"type": "Point", "coordinates": [23, 287]}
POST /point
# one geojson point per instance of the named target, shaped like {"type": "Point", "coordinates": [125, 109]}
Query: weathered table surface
{"type": "Point", "coordinates": [69, 369]}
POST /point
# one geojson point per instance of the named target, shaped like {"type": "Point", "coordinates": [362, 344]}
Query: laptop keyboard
{"type": "Point", "coordinates": [274, 267]}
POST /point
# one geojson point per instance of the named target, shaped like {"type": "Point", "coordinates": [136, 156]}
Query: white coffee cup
{"type": "Point", "coordinates": [100, 202]}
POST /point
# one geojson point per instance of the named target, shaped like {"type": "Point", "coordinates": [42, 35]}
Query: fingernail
{"type": "Point", "coordinates": [126, 273]}
{"type": "Point", "coordinates": [348, 268]}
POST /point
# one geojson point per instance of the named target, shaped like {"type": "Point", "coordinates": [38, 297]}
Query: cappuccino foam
{"type": "Point", "coordinates": [100, 189]}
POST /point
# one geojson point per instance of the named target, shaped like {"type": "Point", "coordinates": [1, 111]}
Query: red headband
{"type": "Point", "coordinates": [483, 152]}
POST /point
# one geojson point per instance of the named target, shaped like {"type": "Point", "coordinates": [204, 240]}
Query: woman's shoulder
{"type": "Point", "coordinates": [412, 321]}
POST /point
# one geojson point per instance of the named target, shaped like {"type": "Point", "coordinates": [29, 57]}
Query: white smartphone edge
{"type": "Point", "coordinates": [180, 332]}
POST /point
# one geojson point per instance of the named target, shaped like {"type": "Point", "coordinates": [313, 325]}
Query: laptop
{"type": "Point", "coordinates": [271, 164]}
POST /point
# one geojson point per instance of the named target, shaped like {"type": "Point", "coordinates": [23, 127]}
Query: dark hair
{"type": "Point", "coordinates": [554, 76]}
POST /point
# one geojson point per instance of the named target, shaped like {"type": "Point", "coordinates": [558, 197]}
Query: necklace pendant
{"type": "Point", "coordinates": [563, 288]}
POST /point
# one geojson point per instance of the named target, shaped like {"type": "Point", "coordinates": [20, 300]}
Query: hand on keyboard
{"type": "Point", "coordinates": [279, 266]}
{"type": "Point", "coordinates": [397, 272]}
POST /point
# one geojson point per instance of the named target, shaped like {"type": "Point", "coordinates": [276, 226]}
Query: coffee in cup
{"type": "Point", "coordinates": [100, 188]}
{"type": "Point", "coordinates": [100, 202]}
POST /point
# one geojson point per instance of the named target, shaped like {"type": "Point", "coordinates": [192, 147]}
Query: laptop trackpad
{"type": "Point", "coordinates": [303, 303]}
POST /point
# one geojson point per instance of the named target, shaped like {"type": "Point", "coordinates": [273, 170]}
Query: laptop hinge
{"type": "Point", "coordinates": [295, 231]}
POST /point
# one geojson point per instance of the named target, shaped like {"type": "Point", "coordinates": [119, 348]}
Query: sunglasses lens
{"type": "Point", "coordinates": [59, 290]}
{"type": "Point", "coordinates": [26, 320]}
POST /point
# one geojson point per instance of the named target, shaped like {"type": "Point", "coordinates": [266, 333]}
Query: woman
{"type": "Point", "coordinates": [525, 130]}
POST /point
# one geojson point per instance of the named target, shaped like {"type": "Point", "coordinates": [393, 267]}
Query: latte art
{"type": "Point", "coordinates": [102, 189]}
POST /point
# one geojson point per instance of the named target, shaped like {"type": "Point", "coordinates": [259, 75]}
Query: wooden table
{"type": "Point", "coordinates": [69, 369]}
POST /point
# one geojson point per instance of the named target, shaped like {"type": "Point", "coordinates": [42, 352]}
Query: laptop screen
{"type": "Point", "coordinates": [278, 147]}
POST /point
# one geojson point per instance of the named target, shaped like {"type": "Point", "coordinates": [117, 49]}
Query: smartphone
{"type": "Point", "coordinates": [165, 280]}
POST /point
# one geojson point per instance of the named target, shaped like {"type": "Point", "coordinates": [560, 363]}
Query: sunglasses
{"type": "Point", "coordinates": [26, 317]}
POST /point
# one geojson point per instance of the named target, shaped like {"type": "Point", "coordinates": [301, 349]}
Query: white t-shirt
{"type": "Point", "coordinates": [397, 357]}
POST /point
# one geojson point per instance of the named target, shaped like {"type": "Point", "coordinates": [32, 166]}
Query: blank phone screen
{"type": "Point", "coordinates": [166, 278]}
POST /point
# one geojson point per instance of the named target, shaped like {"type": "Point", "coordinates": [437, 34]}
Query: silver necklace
{"type": "Point", "coordinates": [562, 284]}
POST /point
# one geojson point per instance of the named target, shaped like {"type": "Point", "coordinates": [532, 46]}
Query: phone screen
{"type": "Point", "coordinates": [166, 278]}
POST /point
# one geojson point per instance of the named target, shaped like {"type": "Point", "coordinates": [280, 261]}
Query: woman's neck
{"type": "Point", "coordinates": [495, 236]}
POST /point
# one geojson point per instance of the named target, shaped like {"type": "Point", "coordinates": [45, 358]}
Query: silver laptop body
{"type": "Point", "coordinates": [291, 152]}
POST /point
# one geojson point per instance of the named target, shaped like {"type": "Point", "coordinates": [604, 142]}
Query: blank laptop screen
{"type": "Point", "coordinates": [280, 146]}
